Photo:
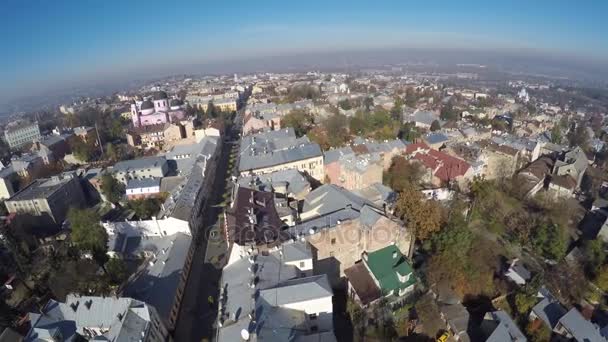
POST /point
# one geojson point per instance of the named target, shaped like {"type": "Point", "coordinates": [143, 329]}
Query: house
{"type": "Point", "coordinates": [574, 326]}
{"type": "Point", "coordinates": [340, 226]}
{"type": "Point", "coordinates": [271, 295]}
{"type": "Point", "coordinates": [290, 183]}
{"type": "Point", "coordinates": [142, 188]}
{"type": "Point", "coordinates": [48, 199]}
{"type": "Point", "coordinates": [279, 150]}
{"type": "Point", "coordinates": [391, 274]}
{"type": "Point", "coordinates": [96, 318]}
{"type": "Point", "coordinates": [162, 280]}
{"type": "Point", "coordinates": [422, 119]}
{"type": "Point", "coordinates": [453, 313]}
{"type": "Point", "coordinates": [150, 167]}
{"type": "Point", "coordinates": [549, 310]}
{"type": "Point", "coordinates": [497, 326]}
{"type": "Point", "coordinates": [435, 140]}
{"type": "Point", "coordinates": [518, 273]}
{"type": "Point", "coordinates": [441, 167]}
{"type": "Point", "coordinates": [358, 172]}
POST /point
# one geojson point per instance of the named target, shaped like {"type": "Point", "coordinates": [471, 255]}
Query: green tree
{"type": "Point", "coordinates": [435, 126]}
{"type": "Point", "coordinates": [83, 151]}
{"type": "Point", "coordinates": [601, 280]}
{"type": "Point", "coordinates": [550, 240]}
{"type": "Point", "coordinates": [368, 103]}
{"type": "Point", "coordinates": [579, 137]}
{"type": "Point", "coordinates": [594, 256]}
{"type": "Point", "coordinates": [402, 174]}
{"type": "Point", "coordinates": [410, 97]}
{"type": "Point", "coordinates": [345, 104]}
{"type": "Point", "coordinates": [111, 188]}
{"type": "Point", "coordinates": [117, 271]}
{"type": "Point", "coordinates": [87, 233]}
{"type": "Point", "coordinates": [145, 208]}
{"type": "Point", "coordinates": [300, 120]}
{"type": "Point", "coordinates": [556, 134]}
{"type": "Point", "coordinates": [397, 110]}
{"type": "Point", "coordinates": [449, 113]}
{"type": "Point", "coordinates": [423, 216]}
{"type": "Point", "coordinates": [336, 128]}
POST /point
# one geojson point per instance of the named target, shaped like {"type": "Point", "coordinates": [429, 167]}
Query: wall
{"type": "Point", "coordinates": [316, 171]}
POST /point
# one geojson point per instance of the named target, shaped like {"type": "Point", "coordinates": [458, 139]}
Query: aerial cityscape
{"type": "Point", "coordinates": [389, 171]}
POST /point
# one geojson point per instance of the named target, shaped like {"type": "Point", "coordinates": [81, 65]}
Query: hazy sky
{"type": "Point", "coordinates": [53, 42]}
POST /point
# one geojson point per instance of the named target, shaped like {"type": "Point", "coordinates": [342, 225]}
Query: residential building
{"type": "Point", "coordinates": [150, 167]}
{"type": "Point", "coordinates": [548, 310]}
{"type": "Point", "coordinates": [290, 183]}
{"type": "Point", "coordinates": [280, 150]}
{"type": "Point", "coordinates": [497, 326]}
{"type": "Point", "coordinates": [52, 148]}
{"type": "Point", "coordinates": [441, 168]}
{"type": "Point", "coordinates": [96, 318]}
{"type": "Point", "coordinates": [518, 273]}
{"type": "Point", "coordinates": [162, 281]}
{"type": "Point", "coordinates": [48, 198]}
{"type": "Point", "coordinates": [574, 326]}
{"type": "Point", "coordinates": [341, 225]}
{"type": "Point", "coordinates": [270, 295]}
{"type": "Point", "coordinates": [391, 277]}
{"type": "Point", "coordinates": [357, 172]}
{"type": "Point", "coordinates": [17, 135]}
{"type": "Point", "coordinates": [142, 188]}
{"type": "Point", "coordinates": [86, 134]}
{"type": "Point", "coordinates": [453, 313]}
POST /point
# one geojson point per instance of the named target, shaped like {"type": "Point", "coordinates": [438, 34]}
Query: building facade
{"type": "Point", "coordinates": [22, 134]}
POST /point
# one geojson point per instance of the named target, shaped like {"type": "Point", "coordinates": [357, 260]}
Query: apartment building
{"type": "Point", "coordinates": [18, 135]}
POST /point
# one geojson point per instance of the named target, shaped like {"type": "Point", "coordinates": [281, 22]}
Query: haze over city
{"type": "Point", "coordinates": [56, 44]}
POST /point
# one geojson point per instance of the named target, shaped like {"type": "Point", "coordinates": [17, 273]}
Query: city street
{"type": "Point", "coordinates": [197, 314]}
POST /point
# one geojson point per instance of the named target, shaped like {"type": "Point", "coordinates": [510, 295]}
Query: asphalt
{"type": "Point", "coordinates": [198, 313]}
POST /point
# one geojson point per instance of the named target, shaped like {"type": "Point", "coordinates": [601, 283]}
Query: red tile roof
{"type": "Point", "coordinates": [444, 166]}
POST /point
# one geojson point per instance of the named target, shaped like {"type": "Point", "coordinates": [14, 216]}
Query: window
{"type": "Point", "coordinates": [302, 264]}
{"type": "Point", "coordinates": [314, 328]}
{"type": "Point", "coordinates": [331, 254]}
{"type": "Point", "coordinates": [333, 241]}
{"type": "Point", "coordinates": [312, 316]}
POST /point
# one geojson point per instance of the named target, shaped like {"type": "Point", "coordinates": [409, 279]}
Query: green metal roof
{"type": "Point", "coordinates": [385, 264]}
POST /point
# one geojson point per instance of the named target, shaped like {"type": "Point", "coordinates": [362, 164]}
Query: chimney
{"type": "Point", "coordinates": [395, 255]}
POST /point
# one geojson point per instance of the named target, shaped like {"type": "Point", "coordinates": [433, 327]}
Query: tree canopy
{"type": "Point", "coordinates": [111, 188]}
{"type": "Point", "coordinates": [402, 174]}
{"type": "Point", "coordinates": [300, 120]}
{"type": "Point", "coordinates": [423, 216]}
{"type": "Point", "coordinates": [87, 233]}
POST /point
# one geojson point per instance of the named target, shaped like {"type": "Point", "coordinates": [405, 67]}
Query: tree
{"type": "Point", "coordinates": [83, 151]}
{"type": "Point", "coordinates": [556, 134]}
{"type": "Point", "coordinates": [579, 136]}
{"type": "Point", "coordinates": [594, 256]}
{"type": "Point", "coordinates": [345, 104]}
{"type": "Point", "coordinates": [435, 126]}
{"type": "Point", "coordinates": [550, 240]}
{"type": "Point", "coordinates": [402, 174]}
{"type": "Point", "coordinates": [368, 103]}
{"type": "Point", "coordinates": [87, 233]}
{"type": "Point", "coordinates": [397, 110]}
{"type": "Point", "coordinates": [524, 302]}
{"type": "Point", "coordinates": [300, 120]}
{"type": "Point", "coordinates": [117, 271]}
{"type": "Point", "coordinates": [601, 280]}
{"type": "Point", "coordinates": [448, 113]}
{"type": "Point", "coordinates": [145, 208]}
{"type": "Point", "coordinates": [336, 128]}
{"type": "Point", "coordinates": [410, 97]}
{"type": "Point", "coordinates": [212, 111]}
{"type": "Point", "coordinates": [423, 216]}
{"type": "Point", "coordinates": [111, 188]}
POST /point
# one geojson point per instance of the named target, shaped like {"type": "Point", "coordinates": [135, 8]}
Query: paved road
{"type": "Point", "coordinates": [197, 316]}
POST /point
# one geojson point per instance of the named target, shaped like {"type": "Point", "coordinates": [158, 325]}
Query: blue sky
{"type": "Point", "coordinates": [49, 43]}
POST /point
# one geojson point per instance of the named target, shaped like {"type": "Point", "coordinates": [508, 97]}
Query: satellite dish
{"type": "Point", "coordinates": [245, 334]}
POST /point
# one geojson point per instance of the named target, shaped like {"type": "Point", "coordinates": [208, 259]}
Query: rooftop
{"type": "Point", "coordinates": [139, 164]}
{"type": "Point", "coordinates": [41, 188]}
{"type": "Point", "coordinates": [390, 268]}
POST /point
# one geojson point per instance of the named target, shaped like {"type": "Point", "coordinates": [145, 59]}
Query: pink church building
{"type": "Point", "coordinates": [157, 109]}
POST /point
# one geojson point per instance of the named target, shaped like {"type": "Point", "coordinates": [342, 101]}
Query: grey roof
{"type": "Point", "coordinates": [549, 310]}
{"type": "Point", "coordinates": [298, 290]}
{"type": "Point", "coordinates": [41, 188]}
{"type": "Point", "coordinates": [294, 180]}
{"type": "Point", "coordinates": [518, 267]}
{"type": "Point", "coordinates": [139, 164]}
{"type": "Point", "coordinates": [125, 318]}
{"type": "Point", "coordinates": [143, 183]}
{"type": "Point", "coordinates": [335, 154]}
{"type": "Point", "coordinates": [425, 117]}
{"type": "Point", "coordinates": [581, 329]}
{"type": "Point", "coordinates": [435, 138]}
{"type": "Point", "coordinates": [505, 330]}
{"type": "Point", "coordinates": [271, 272]}
{"type": "Point", "coordinates": [157, 284]}
{"type": "Point", "coordinates": [377, 193]}
{"type": "Point", "coordinates": [329, 198]}
{"type": "Point", "coordinates": [147, 105]}
{"type": "Point", "coordinates": [275, 148]}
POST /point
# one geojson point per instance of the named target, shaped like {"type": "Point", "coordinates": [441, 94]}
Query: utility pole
{"type": "Point", "coordinates": [99, 139]}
